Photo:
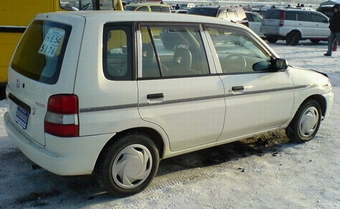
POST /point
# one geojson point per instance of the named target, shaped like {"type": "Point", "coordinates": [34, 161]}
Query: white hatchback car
{"type": "Point", "coordinates": [97, 93]}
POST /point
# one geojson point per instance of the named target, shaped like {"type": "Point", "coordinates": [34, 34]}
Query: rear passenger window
{"type": "Point", "coordinates": [237, 52]}
{"type": "Point", "coordinates": [117, 52]}
{"type": "Point", "coordinates": [290, 15]}
{"type": "Point", "coordinates": [305, 16]}
{"type": "Point", "coordinates": [172, 51]}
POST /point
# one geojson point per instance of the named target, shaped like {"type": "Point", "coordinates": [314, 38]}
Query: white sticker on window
{"type": "Point", "coordinates": [51, 42]}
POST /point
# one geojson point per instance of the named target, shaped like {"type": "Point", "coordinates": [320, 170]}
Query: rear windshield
{"type": "Point", "coordinates": [41, 51]}
{"type": "Point", "coordinates": [212, 12]}
{"type": "Point", "coordinates": [272, 14]}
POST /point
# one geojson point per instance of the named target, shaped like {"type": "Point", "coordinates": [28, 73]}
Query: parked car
{"type": "Point", "coordinates": [179, 11]}
{"type": "Point", "coordinates": [232, 14]}
{"type": "Point", "coordinates": [294, 25]}
{"type": "Point", "coordinates": [148, 7]}
{"type": "Point", "coordinates": [254, 22]}
{"type": "Point", "coordinates": [326, 10]}
{"type": "Point", "coordinates": [97, 93]}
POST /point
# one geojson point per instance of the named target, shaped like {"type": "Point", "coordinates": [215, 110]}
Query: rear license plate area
{"type": "Point", "coordinates": [21, 117]}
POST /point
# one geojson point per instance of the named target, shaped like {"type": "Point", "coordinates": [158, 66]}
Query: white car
{"type": "Point", "coordinates": [254, 22]}
{"type": "Point", "coordinates": [294, 25]}
{"type": "Point", "coordinates": [97, 93]}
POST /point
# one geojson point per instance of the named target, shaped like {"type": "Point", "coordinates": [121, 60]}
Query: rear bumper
{"type": "Point", "coordinates": [62, 156]}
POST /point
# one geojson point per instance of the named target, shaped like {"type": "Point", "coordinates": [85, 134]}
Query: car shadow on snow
{"type": "Point", "coordinates": [47, 189]}
{"type": "Point", "coordinates": [270, 143]}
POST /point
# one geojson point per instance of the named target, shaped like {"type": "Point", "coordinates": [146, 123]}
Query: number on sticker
{"type": "Point", "coordinates": [51, 42]}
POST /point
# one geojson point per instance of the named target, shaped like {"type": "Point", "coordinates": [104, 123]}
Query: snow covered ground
{"type": "Point", "coordinates": [264, 173]}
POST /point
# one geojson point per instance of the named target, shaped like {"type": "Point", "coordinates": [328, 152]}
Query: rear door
{"type": "Point", "coordinates": [178, 91]}
{"type": "Point", "coordinates": [305, 23]}
{"type": "Point", "coordinates": [36, 71]}
{"type": "Point", "coordinates": [272, 21]}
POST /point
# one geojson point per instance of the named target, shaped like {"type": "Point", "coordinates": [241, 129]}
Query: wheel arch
{"type": "Point", "coordinates": [319, 99]}
{"type": "Point", "coordinates": [153, 134]}
{"type": "Point", "coordinates": [294, 30]}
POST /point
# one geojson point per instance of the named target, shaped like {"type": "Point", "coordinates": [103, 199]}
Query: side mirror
{"type": "Point", "coordinates": [280, 64]}
{"type": "Point", "coordinates": [275, 64]}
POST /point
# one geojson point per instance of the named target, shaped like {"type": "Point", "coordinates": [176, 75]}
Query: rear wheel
{"type": "Point", "coordinates": [293, 38]}
{"type": "Point", "coordinates": [271, 40]}
{"type": "Point", "coordinates": [305, 123]}
{"type": "Point", "coordinates": [128, 165]}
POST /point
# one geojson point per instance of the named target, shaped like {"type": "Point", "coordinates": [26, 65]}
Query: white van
{"type": "Point", "coordinates": [97, 93]}
{"type": "Point", "coordinates": [294, 25]}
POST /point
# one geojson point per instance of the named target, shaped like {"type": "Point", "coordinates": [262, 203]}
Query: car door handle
{"type": "Point", "coordinates": [237, 88]}
{"type": "Point", "coordinates": [155, 96]}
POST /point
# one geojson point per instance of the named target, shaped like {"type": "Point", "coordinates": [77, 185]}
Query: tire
{"type": "Point", "coordinates": [305, 123]}
{"type": "Point", "coordinates": [271, 40]}
{"type": "Point", "coordinates": [315, 41]}
{"type": "Point", "coordinates": [128, 165]}
{"type": "Point", "coordinates": [293, 38]}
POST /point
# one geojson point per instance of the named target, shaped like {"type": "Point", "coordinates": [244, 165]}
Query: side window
{"type": "Point", "coordinates": [117, 52]}
{"type": "Point", "coordinates": [305, 16]}
{"type": "Point", "coordinates": [290, 15]}
{"type": "Point", "coordinates": [143, 9]}
{"type": "Point", "coordinates": [257, 18]}
{"type": "Point", "coordinates": [156, 8]}
{"type": "Point", "coordinates": [319, 18]}
{"type": "Point", "coordinates": [172, 51]}
{"type": "Point", "coordinates": [238, 52]}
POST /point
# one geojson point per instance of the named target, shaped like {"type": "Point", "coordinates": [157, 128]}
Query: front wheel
{"type": "Point", "coordinates": [305, 123]}
{"type": "Point", "coordinates": [293, 38]}
{"type": "Point", "coordinates": [128, 165]}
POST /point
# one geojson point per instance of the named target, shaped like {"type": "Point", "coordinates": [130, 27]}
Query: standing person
{"type": "Point", "coordinates": [334, 26]}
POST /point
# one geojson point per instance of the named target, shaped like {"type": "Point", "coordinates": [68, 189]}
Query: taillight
{"type": "Point", "coordinates": [282, 18]}
{"type": "Point", "coordinates": [62, 115]}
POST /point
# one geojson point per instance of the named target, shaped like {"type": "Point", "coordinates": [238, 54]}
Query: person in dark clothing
{"type": "Point", "coordinates": [334, 26]}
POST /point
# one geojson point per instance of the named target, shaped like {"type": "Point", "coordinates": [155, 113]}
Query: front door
{"type": "Point", "coordinates": [257, 97]}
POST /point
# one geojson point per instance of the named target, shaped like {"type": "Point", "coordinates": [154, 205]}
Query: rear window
{"type": "Point", "coordinates": [159, 9]}
{"type": "Point", "coordinates": [212, 12]}
{"type": "Point", "coordinates": [41, 51]}
{"type": "Point", "coordinates": [272, 14]}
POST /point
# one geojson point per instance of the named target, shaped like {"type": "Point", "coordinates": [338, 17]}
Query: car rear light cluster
{"type": "Point", "coordinates": [282, 18]}
{"type": "Point", "coordinates": [62, 115]}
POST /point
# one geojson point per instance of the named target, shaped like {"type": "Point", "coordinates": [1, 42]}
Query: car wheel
{"type": "Point", "coordinates": [315, 41]}
{"type": "Point", "coordinates": [271, 40]}
{"type": "Point", "coordinates": [293, 38]}
{"type": "Point", "coordinates": [128, 165]}
{"type": "Point", "coordinates": [305, 123]}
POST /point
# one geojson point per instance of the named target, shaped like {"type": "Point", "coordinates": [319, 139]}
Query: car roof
{"type": "Point", "coordinates": [131, 16]}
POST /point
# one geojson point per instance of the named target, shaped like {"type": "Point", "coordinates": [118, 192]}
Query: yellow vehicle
{"type": "Point", "coordinates": [15, 15]}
